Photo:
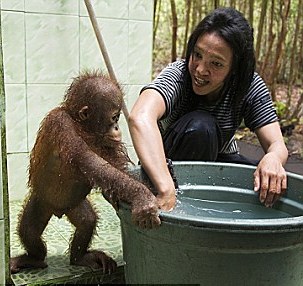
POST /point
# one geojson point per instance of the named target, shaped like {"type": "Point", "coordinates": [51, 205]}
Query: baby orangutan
{"type": "Point", "coordinates": [78, 148]}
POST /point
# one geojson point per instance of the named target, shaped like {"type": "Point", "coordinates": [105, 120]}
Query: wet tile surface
{"type": "Point", "coordinates": [57, 236]}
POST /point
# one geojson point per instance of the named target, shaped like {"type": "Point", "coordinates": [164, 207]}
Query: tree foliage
{"type": "Point", "coordinates": [278, 32]}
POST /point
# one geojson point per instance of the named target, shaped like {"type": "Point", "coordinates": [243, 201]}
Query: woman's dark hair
{"type": "Point", "coordinates": [231, 26]}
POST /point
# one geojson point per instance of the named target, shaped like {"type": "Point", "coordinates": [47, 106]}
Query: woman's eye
{"type": "Point", "coordinates": [217, 64]}
{"type": "Point", "coordinates": [197, 55]}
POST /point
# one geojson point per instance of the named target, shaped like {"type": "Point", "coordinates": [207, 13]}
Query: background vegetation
{"type": "Point", "coordinates": [278, 32]}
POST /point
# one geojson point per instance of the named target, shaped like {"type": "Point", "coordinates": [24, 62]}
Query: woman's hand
{"type": "Point", "coordinates": [270, 179]}
{"type": "Point", "coordinates": [167, 200]}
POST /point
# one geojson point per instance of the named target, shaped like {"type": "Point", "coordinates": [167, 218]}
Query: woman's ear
{"type": "Point", "coordinates": [84, 113]}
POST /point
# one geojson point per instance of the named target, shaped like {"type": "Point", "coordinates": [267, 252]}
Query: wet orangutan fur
{"type": "Point", "coordinates": [78, 148]}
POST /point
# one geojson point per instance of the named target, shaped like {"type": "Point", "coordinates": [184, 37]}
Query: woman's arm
{"type": "Point", "coordinates": [147, 140]}
{"type": "Point", "coordinates": [270, 177]}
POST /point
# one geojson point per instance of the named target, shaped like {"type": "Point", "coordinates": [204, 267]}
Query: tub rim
{"type": "Point", "coordinates": [288, 224]}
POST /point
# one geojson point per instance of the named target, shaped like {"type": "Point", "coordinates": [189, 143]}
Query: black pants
{"type": "Point", "coordinates": [197, 137]}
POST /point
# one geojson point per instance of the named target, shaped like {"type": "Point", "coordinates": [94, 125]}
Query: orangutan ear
{"type": "Point", "coordinates": [84, 113]}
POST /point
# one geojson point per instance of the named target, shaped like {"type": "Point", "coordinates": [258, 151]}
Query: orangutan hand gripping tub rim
{"type": "Point", "coordinates": [78, 148]}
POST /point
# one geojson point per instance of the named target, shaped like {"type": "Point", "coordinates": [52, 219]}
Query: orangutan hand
{"type": "Point", "coordinates": [145, 213]}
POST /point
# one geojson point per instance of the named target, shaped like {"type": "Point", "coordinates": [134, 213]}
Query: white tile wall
{"type": "Point", "coordinates": [117, 9]}
{"type": "Point", "coordinates": [46, 43]}
{"type": "Point", "coordinates": [16, 118]}
{"type": "Point", "coordinates": [68, 7]}
{"type": "Point", "coordinates": [15, 5]}
{"type": "Point", "coordinates": [139, 68]}
{"type": "Point", "coordinates": [13, 41]}
{"type": "Point", "coordinates": [17, 164]}
{"type": "Point", "coordinates": [115, 36]}
{"type": "Point", "coordinates": [52, 47]}
{"type": "Point", "coordinates": [141, 10]}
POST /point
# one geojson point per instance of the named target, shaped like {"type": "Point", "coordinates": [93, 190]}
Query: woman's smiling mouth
{"type": "Point", "coordinates": [200, 82]}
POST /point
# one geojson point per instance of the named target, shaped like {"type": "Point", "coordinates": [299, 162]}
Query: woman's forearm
{"type": "Point", "coordinates": [148, 144]}
{"type": "Point", "coordinates": [271, 139]}
{"type": "Point", "coordinates": [147, 140]}
{"type": "Point", "coordinates": [280, 150]}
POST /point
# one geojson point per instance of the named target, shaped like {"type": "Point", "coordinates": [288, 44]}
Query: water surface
{"type": "Point", "coordinates": [226, 209]}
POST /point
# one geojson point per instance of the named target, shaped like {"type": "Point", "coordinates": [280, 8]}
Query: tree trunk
{"type": "Point", "coordinates": [270, 40]}
{"type": "Point", "coordinates": [188, 8]}
{"type": "Point", "coordinates": [284, 10]}
{"type": "Point", "coordinates": [300, 58]}
{"type": "Point", "coordinates": [295, 47]}
{"type": "Point", "coordinates": [156, 18]}
{"type": "Point", "coordinates": [260, 28]}
{"type": "Point", "coordinates": [251, 12]}
{"type": "Point", "coordinates": [298, 109]}
{"type": "Point", "coordinates": [216, 4]}
{"type": "Point", "coordinates": [194, 15]}
{"type": "Point", "coordinates": [293, 69]}
{"type": "Point", "coordinates": [174, 30]}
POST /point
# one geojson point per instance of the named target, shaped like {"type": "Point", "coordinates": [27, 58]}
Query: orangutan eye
{"type": "Point", "coordinates": [116, 117]}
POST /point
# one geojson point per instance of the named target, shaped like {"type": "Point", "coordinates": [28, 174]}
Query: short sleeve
{"type": "Point", "coordinates": [258, 107]}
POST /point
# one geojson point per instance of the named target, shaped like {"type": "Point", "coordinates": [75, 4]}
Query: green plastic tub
{"type": "Point", "coordinates": [219, 233]}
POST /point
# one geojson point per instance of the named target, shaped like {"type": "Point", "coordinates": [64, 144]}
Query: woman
{"type": "Point", "coordinates": [192, 110]}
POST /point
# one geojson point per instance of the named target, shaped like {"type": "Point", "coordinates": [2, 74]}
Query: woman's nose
{"type": "Point", "coordinates": [202, 68]}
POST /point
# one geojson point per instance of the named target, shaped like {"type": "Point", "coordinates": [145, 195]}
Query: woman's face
{"type": "Point", "coordinates": [210, 64]}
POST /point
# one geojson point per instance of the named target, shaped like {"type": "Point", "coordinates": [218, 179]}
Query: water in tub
{"type": "Point", "coordinates": [228, 207]}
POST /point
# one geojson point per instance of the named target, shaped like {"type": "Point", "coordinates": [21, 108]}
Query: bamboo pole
{"type": "Point", "coordinates": [102, 46]}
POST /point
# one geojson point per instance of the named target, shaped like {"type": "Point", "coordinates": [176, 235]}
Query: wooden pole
{"type": "Point", "coordinates": [101, 43]}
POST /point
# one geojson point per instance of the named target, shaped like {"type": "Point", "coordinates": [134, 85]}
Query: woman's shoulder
{"type": "Point", "coordinates": [257, 79]}
{"type": "Point", "coordinates": [171, 80]}
{"type": "Point", "coordinates": [257, 90]}
{"type": "Point", "coordinates": [173, 74]}
{"type": "Point", "coordinates": [178, 66]}
{"type": "Point", "coordinates": [256, 85]}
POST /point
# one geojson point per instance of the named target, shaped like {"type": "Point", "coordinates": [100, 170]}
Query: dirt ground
{"type": "Point", "coordinates": [293, 140]}
{"type": "Point", "coordinates": [293, 137]}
